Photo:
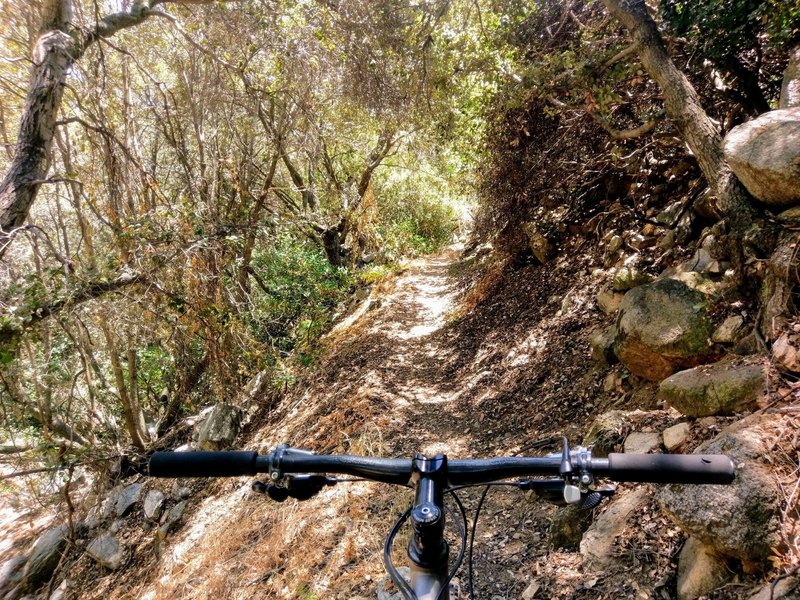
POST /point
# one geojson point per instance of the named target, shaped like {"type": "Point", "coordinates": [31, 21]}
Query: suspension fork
{"type": "Point", "coordinates": [428, 551]}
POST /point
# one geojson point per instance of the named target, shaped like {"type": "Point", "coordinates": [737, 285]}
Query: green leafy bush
{"type": "Point", "coordinates": [296, 289]}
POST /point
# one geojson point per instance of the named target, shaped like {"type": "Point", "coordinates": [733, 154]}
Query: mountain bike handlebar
{"type": "Point", "coordinates": [643, 468]}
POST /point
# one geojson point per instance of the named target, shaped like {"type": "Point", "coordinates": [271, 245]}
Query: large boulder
{"type": "Point", "coordinates": [663, 327]}
{"type": "Point", "coordinates": [724, 388]}
{"type": "Point", "coordinates": [741, 520]}
{"type": "Point", "coordinates": [765, 155]}
{"type": "Point", "coordinates": [220, 428]}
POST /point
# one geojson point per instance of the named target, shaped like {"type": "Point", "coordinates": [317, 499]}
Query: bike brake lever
{"type": "Point", "coordinates": [300, 487]}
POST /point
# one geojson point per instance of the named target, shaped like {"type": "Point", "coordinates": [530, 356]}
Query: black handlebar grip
{"type": "Point", "coordinates": [202, 464]}
{"type": "Point", "coordinates": [671, 468]}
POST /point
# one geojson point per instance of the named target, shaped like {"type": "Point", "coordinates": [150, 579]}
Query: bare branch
{"type": "Point", "coordinates": [625, 134]}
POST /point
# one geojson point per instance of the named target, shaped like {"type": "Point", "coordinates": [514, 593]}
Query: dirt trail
{"type": "Point", "coordinates": [403, 373]}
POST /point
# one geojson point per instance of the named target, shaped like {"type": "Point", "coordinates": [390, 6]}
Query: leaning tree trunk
{"type": "Point", "coordinates": [56, 50]}
{"type": "Point", "coordinates": [52, 59]}
{"type": "Point", "coordinates": [683, 107]}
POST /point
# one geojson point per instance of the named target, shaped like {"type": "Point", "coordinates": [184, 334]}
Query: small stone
{"type": "Point", "coordinates": [669, 215]}
{"type": "Point", "coordinates": [45, 555]}
{"type": "Point", "coordinates": [175, 513]}
{"type": "Point", "coordinates": [609, 301]}
{"type": "Point", "coordinates": [641, 443]}
{"type": "Point", "coordinates": [597, 545]}
{"type": "Point", "coordinates": [667, 241]}
{"type": "Point", "coordinates": [116, 526]}
{"type": "Point", "coordinates": [180, 492]}
{"type": "Point", "coordinates": [699, 262]}
{"type": "Point", "coordinates": [676, 436]}
{"type": "Point", "coordinates": [60, 593]}
{"type": "Point", "coordinates": [628, 278]}
{"type": "Point", "coordinates": [640, 242]}
{"type": "Point", "coordinates": [530, 591]}
{"type": "Point", "coordinates": [128, 496]}
{"type": "Point", "coordinates": [219, 430]}
{"type": "Point", "coordinates": [386, 589]}
{"type": "Point", "coordinates": [602, 344]}
{"type": "Point", "coordinates": [610, 382]}
{"type": "Point", "coordinates": [106, 550]}
{"type": "Point", "coordinates": [784, 588]}
{"type": "Point", "coordinates": [154, 504]}
{"type": "Point", "coordinates": [730, 330]}
{"type": "Point", "coordinates": [615, 243]}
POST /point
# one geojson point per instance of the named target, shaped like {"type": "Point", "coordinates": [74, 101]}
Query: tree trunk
{"type": "Point", "coordinates": [131, 410]}
{"type": "Point", "coordinates": [683, 106]}
{"type": "Point", "coordinates": [52, 59]}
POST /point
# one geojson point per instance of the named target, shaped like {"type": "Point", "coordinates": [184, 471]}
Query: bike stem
{"type": "Point", "coordinates": [427, 550]}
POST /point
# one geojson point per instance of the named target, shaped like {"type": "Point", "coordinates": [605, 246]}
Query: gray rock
{"type": "Point", "coordinates": [128, 496]}
{"type": "Point", "coordinates": [700, 571]}
{"type": "Point", "coordinates": [790, 90]}
{"type": "Point", "coordinates": [663, 327]}
{"type": "Point", "coordinates": [676, 436]}
{"type": "Point", "coordinates": [669, 215]}
{"type": "Point", "coordinates": [109, 505]}
{"type": "Point", "coordinates": [568, 525]}
{"type": "Point", "coordinates": [765, 155]}
{"type": "Point", "coordinates": [723, 388]}
{"type": "Point", "coordinates": [154, 504]}
{"type": "Point", "coordinates": [171, 518]}
{"type": "Point", "coordinates": [641, 442]}
{"type": "Point", "coordinates": [700, 262]}
{"type": "Point", "coordinates": [741, 520]}
{"type": "Point", "coordinates": [602, 344]}
{"type": "Point", "coordinates": [180, 492]}
{"type": "Point", "coordinates": [597, 545]}
{"type": "Point", "coordinates": [668, 240]}
{"type": "Point", "coordinates": [615, 243]}
{"type": "Point", "coordinates": [11, 574]}
{"type": "Point", "coordinates": [45, 555]}
{"type": "Point", "coordinates": [220, 428]}
{"type": "Point", "coordinates": [107, 551]}
{"type": "Point", "coordinates": [729, 331]}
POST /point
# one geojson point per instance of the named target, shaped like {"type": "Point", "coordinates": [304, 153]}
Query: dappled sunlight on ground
{"type": "Point", "coordinates": [407, 371]}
